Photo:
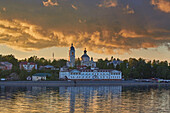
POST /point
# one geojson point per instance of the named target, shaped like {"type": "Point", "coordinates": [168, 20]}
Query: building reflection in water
{"type": "Point", "coordinates": [89, 95]}
{"type": "Point", "coordinates": [84, 99]}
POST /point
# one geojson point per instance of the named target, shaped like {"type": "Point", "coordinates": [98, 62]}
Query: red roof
{"type": "Point", "coordinates": [27, 63]}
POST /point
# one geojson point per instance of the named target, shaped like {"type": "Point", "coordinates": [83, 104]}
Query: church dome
{"type": "Point", "coordinates": [85, 57]}
{"type": "Point", "coordinates": [72, 48]}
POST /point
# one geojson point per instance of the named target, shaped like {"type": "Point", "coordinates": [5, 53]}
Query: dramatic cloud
{"type": "Point", "coordinates": [28, 25]}
{"type": "Point", "coordinates": [163, 5]}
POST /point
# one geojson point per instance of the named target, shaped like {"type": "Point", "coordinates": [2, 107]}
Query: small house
{"type": "Point", "coordinates": [28, 66]}
{"type": "Point", "coordinates": [40, 76]}
{"type": "Point", "coordinates": [7, 65]}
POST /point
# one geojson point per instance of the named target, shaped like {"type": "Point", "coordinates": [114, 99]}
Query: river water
{"type": "Point", "coordinates": [85, 99]}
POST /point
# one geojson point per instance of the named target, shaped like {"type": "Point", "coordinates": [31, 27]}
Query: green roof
{"type": "Point", "coordinates": [42, 74]}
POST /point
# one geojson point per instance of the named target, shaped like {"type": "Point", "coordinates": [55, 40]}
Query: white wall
{"type": "Point", "coordinates": [36, 78]}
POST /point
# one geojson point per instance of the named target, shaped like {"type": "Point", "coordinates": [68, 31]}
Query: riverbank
{"type": "Point", "coordinates": [72, 83]}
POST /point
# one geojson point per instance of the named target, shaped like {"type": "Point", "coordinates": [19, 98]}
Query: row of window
{"type": "Point", "coordinates": [75, 73]}
{"type": "Point", "coordinates": [115, 73]}
{"type": "Point", "coordinates": [115, 77]}
{"type": "Point", "coordinates": [94, 73]}
{"type": "Point", "coordinates": [99, 77]}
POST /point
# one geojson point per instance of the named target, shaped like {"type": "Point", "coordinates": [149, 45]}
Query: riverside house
{"type": "Point", "coordinates": [28, 66]}
{"type": "Point", "coordinates": [5, 66]}
{"type": "Point", "coordinates": [40, 76]}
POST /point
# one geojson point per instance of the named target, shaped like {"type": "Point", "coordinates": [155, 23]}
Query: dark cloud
{"type": "Point", "coordinates": [102, 26]}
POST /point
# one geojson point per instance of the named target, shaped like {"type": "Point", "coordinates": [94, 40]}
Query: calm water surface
{"type": "Point", "coordinates": [94, 99]}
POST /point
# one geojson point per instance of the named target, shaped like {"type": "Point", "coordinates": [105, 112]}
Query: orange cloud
{"type": "Point", "coordinates": [108, 3]}
{"type": "Point", "coordinates": [130, 34]}
{"type": "Point", "coordinates": [163, 5]}
{"type": "Point", "coordinates": [50, 3]}
{"type": "Point", "coordinates": [128, 10]}
{"type": "Point", "coordinates": [101, 30]}
{"type": "Point", "coordinates": [74, 7]}
{"type": "Point", "coordinates": [25, 36]}
{"type": "Point", "coordinates": [4, 9]}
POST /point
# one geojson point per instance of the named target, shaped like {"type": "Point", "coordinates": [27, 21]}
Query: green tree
{"type": "Point", "coordinates": [23, 75]}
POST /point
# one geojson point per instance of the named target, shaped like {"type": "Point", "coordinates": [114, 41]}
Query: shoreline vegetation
{"type": "Point", "coordinates": [131, 68]}
{"type": "Point", "coordinates": [78, 83]}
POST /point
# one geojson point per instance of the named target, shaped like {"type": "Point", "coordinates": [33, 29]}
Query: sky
{"type": "Point", "coordinates": [118, 28]}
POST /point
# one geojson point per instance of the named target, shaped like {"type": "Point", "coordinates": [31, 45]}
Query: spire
{"type": "Point", "coordinates": [85, 51]}
{"type": "Point", "coordinates": [72, 48]}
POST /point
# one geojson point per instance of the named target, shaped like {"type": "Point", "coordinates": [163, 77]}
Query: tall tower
{"type": "Point", "coordinates": [72, 56]}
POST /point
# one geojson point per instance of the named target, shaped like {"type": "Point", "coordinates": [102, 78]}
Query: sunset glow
{"type": "Point", "coordinates": [119, 28]}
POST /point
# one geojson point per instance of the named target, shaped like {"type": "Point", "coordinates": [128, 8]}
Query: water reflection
{"type": "Point", "coordinates": [107, 99]}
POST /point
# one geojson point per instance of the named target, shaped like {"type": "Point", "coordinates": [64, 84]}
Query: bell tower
{"type": "Point", "coordinates": [72, 56]}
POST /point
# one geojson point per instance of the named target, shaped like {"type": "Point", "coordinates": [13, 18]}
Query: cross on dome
{"type": "Point", "coordinates": [85, 51]}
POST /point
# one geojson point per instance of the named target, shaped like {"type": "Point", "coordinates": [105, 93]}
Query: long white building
{"type": "Point", "coordinates": [90, 74]}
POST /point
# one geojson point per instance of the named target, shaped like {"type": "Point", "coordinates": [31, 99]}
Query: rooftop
{"type": "Point", "coordinates": [42, 74]}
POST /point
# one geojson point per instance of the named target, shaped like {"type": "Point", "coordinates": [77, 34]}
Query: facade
{"type": "Point", "coordinates": [85, 60]}
{"type": "Point", "coordinates": [6, 66]}
{"type": "Point", "coordinates": [40, 76]}
{"type": "Point", "coordinates": [3, 67]}
{"type": "Point", "coordinates": [89, 74]}
{"type": "Point", "coordinates": [28, 66]}
{"type": "Point", "coordinates": [71, 62]}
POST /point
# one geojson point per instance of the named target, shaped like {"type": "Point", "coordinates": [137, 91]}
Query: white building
{"type": "Point", "coordinates": [71, 62]}
{"type": "Point", "coordinates": [89, 74]}
{"type": "Point", "coordinates": [85, 60]}
{"type": "Point", "coordinates": [40, 76]}
{"type": "Point", "coordinates": [28, 66]}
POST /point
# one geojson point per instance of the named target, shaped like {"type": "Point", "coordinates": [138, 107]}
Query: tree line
{"type": "Point", "coordinates": [131, 68]}
{"type": "Point", "coordinates": [138, 68]}
{"type": "Point", "coordinates": [23, 74]}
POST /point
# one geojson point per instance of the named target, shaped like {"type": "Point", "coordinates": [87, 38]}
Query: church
{"type": "Point", "coordinates": [85, 59]}
{"type": "Point", "coordinates": [86, 74]}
